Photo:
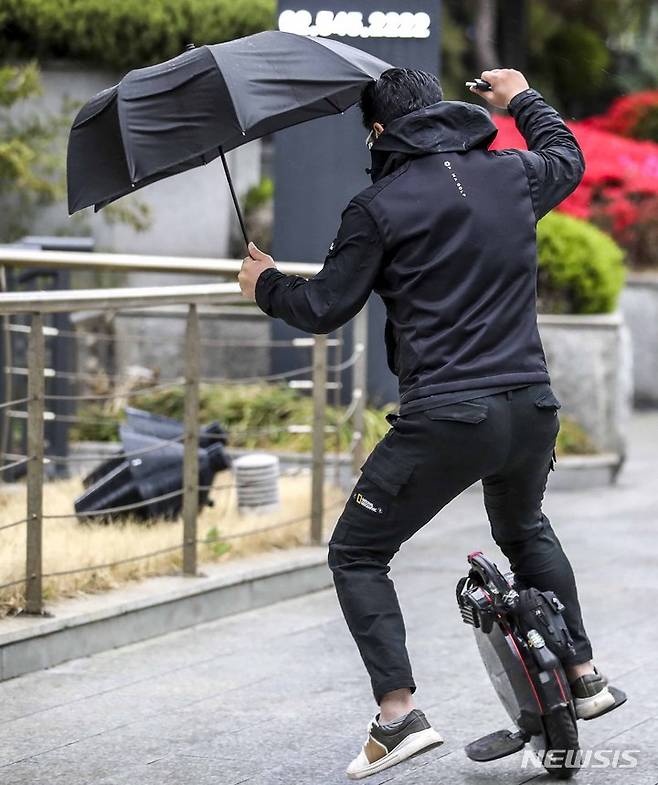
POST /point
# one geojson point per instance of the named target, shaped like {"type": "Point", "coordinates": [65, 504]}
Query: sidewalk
{"type": "Point", "coordinates": [278, 696]}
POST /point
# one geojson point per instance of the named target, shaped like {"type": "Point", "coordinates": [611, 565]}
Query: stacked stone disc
{"type": "Point", "coordinates": [257, 483]}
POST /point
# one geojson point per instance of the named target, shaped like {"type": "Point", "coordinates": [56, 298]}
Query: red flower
{"type": "Point", "coordinates": [625, 113]}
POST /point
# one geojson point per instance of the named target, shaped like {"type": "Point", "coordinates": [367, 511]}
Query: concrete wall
{"type": "Point", "coordinates": [155, 340]}
{"type": "Point", "coordinates": [639, 304]}
{"type": "Point", "coordinates": [591, 366]}
{"type": "Point", "coordinates": [192, 213]}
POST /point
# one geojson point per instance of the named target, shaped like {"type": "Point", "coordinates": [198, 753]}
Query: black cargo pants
{"type": "Point", "coordinates": [425, 460]}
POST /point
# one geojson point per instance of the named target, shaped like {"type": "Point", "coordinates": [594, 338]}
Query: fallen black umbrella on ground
{"type": "Point", "coordinates": [153, 468]}
{"type": "Point", "coordinates": [174, 116]}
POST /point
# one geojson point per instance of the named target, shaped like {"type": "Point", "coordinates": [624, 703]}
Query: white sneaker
{"type": "Point", "coordinates": [591, 695]}
{"type": "Point", "coordinates": [386, 746]}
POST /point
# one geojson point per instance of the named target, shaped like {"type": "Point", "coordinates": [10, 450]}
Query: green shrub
{"type": "Point", "coordinates": [214, 542]}
{"type": "Point", "coordinates": [32, 156]}
{"type": "Point", "coordinates": [258, 195]}
{"type": "Point", "coordinates": [572, 439]}
{"type": "Point", "coordinates": [30, 169]}
{"type": "Point", "coordinates": [95, 424]}
{"type": "Point", "coordinates": [124, 34]}
{"type": "Point", "coordinates": [581, 268]}
{"type": "Point", "coordinates": [577, 59]}
{"type": "Point", "coordinates": [252, 413]}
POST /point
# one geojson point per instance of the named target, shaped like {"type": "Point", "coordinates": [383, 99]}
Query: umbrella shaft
{"type": "Point", "coordinates": [234, 197]}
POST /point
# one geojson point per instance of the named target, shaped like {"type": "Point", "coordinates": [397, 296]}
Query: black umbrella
{"type": "Point", "coordinates": [127, 486]}
{"type": "Point", "coordinates": [174, 116]}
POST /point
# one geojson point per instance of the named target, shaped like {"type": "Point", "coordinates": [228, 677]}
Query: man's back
{"type": "Point", "coordinates": [459, 272]}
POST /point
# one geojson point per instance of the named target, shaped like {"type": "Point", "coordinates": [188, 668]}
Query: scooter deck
{"type": "Point", "coordinates": [495, 745]}
{"type": "Point", "coordinates": [620, 699]}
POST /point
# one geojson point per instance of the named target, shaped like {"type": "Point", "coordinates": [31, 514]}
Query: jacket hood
{"type": "Point", "coordinates": [448, 126]}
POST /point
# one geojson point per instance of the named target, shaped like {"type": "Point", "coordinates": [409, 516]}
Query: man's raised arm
{"type": "Point", "coordinates": [554, 161]}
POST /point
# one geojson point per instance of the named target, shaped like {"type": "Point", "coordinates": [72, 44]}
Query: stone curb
{"type": "Point", "coordinates": [575, 472]}
{"type": "Point", "coordinates": [83, 626]}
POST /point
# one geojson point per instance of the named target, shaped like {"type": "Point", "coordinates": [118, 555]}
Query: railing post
{"type": "Point", "coordinates": [35, 409]}
{"type": "Point", "coordinates": [359, 387]}
{"type": "Point", "coordinates": [319, 421]}
{"type": "Point", "coordinates": [5, 420]}
{"type": "Point", "coordinates": [191, 442]}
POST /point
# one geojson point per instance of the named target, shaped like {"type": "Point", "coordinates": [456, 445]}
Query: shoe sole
{"type": "Point", "coordinates": [414, 744]}
{"type": "Point", "coordinates": [588, 708]}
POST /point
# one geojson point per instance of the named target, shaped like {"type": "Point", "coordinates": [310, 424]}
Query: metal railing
{"type": "Point", "coordinates": [80, 260]}
{"type": "Point", "coordinates": [36, 304]}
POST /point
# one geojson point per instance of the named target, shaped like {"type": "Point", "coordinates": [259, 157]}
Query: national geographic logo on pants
{"type": "Point", "coordinates": [360, 499]}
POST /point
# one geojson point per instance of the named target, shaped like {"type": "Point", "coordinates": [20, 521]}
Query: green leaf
{"type": "Point", "coordinates": [581, 268]}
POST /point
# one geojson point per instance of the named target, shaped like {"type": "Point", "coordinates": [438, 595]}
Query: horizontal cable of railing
{"type": "Point", "coordinates": [14, 524]}
{"type": "Point", "coordinates": [130, 337]}
{"type": "Point", "coordinates": [21, 460]}
{"type": "Point", "coordinates": [107, 511]}
{"type": "Point", "coordinates": [146, 388]}
{"type": "Point", "coordinates": [272, 377]}
{"type": "Point", "coordinates": [161, 551]}
{"type": "Point", "coordinates": [162, 443]}
{"type": "Point", "coordinates": [233, 434]}
{"type": "Point", "coordinates": [15, 402]}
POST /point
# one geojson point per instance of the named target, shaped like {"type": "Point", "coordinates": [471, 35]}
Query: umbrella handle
{"type": "Point", "coordinates": [234, 197]}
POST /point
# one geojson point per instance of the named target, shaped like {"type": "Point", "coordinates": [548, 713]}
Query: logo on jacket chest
{"type": "Point", "coordinates": [455, 179]}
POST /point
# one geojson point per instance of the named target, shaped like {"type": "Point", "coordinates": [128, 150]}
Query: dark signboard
{"type": "Point", "coordinates": [319, 166]}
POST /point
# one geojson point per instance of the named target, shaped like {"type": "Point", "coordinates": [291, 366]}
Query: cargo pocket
{"type": "Point", "coordinates": [383, 476]}
{"type": "Point", "coordinates": [465, 411]}
{"type": "Point", "coordinates": [547, 400]}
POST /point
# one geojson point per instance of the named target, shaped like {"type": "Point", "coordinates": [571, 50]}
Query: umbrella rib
{"type": "Point", "coordinates": [317, 41]}
{"type": "Point", "coordinates": [227, 85]}
{"type": "Point", "coordinates": [332, 103]}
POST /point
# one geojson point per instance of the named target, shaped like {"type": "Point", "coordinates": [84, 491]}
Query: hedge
{"type": "Point", "coordinates": [581, 269]}
{"type": "Point", "coordinates": [254, 415]}
{"type": "Point", "coordinates": [123, 34]}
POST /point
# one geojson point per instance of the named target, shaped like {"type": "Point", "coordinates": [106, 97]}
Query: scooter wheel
{"type": "Point", "coordinates": [562, 755]}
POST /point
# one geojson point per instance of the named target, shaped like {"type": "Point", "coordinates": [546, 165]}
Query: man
{"type": "Point", "coordinates": [446, 236]}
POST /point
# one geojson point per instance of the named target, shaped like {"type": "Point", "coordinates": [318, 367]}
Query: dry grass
{"type": "Point", "coordinates": [69, 545]}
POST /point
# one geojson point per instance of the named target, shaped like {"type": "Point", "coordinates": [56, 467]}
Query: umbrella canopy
{"type": "Point", "coordinates": [154, 470]}
{"type": "Point", "coordinates": [167, 118]}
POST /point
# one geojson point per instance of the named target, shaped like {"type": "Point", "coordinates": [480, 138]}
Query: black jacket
{"type": "Point", "coordinates": [446, 235]}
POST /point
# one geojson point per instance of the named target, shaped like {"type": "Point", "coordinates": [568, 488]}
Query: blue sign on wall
{"type": "Point", "coordinates": [319, 166]}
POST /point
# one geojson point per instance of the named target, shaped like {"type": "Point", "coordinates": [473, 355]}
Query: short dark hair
{"type": "Point", "coordinates": [397, 92]}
